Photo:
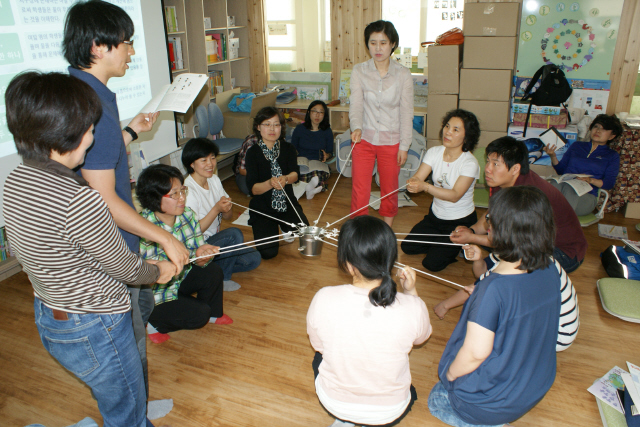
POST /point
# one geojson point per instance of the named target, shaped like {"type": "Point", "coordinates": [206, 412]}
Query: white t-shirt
{"type": "Point", "coordinates": [202, 201]}
{"type": "Point", "coordinates": [445, 175]}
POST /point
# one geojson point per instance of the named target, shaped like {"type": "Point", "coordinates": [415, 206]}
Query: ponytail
{"type": "Point", "coordinates": [385, 294]}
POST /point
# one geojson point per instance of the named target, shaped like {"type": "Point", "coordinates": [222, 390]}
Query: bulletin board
{"type": "Point", "coordinates": [578, 36]}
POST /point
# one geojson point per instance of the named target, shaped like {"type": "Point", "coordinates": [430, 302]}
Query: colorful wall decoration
{"type": "Point", "coordinates": [578, 36]}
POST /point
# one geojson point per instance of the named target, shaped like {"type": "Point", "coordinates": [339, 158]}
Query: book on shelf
{"type": "Point", "coordinates": [178, 96]}
{"type": "Point", "coordinates": [172, 56]}
{"type": "Point", "coordinates": [3, 245]}
{"type": "Point", "coordinates": [171, 19]}
{"type": "Point", "coordinates": [216, 81]}
{"type": "Point", "coordinates": [211, 47]}
{"type": "Point", "coordinates": [176, 42]}
{"type": "Point", "coordinates": [219, 47]}
{"type": "Point", "coordinates": [180, 125]}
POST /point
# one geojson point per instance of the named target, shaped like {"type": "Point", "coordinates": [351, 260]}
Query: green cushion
{"type": "Point", "coordinates": [481, 197]}
{"type": "Point", "coordinates": [610, 417]}
{"type": "Point", "coordinates": [620, 298]}
{"type": "Point", "coordinates": [482, 161]}
{"type": "Point", "coordinates": [587, 219]}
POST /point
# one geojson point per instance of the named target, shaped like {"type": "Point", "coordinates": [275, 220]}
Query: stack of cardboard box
{"type": "Point", "coordinates": [443, 77]}
{"type": "Point", "coordinates": [486, 78]}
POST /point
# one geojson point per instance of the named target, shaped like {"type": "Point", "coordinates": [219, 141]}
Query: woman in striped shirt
{"type": "Point", "coordinates": [70, 247]}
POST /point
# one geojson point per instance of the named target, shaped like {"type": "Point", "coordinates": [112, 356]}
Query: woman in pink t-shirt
{"type": "Point", "coordinates": [363, 332]}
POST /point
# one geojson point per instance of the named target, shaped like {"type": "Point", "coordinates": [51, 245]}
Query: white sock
{"type": "Point", "coordinates": [338, 423]}
{"type": "Point", "coordinates": [159, 408]}
{"type": "Point", "coordinates": [212, 319]}
{"type": "Point", "coordinates": [313, 192]}
{"type": "Point", "coordinates": [312, 184]}
{"type": "Point", "coordinates": [151, 329]}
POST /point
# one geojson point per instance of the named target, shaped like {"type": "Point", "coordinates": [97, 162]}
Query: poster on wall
{"type": "Point", "coordinates": [578, 36]}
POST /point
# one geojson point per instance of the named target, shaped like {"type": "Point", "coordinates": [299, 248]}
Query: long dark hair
{"type": "Point", "coordinates": [368, 244]}
{"type": "Point", "coordinates": [324, 124]}
{"type": "Point", "coordinates": [522, 227]}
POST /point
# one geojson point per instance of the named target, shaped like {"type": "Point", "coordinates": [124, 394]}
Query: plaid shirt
{"type": "Point", "coordinates": [246, 144]}
{"type": "Point", "coordinates": [187, 230]}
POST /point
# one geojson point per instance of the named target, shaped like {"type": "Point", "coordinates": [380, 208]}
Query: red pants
{"type": "Point", "coordinates": [364, 158]}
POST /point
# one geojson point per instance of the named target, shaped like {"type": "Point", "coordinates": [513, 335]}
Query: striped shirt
{"type": "Point", "coordinates": [67, 242]}
{"type": "Point", "coordinates": [569, 311]}
{"type": "Point", "coordinates": [186, 229]}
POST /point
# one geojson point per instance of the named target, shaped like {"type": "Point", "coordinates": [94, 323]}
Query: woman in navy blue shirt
{"type": "Point", "coordinates": [314, 140]}
{"type": "Point", "coordinates": [593, 158]}
{"type": "Point", "coordinates": [501, 358]}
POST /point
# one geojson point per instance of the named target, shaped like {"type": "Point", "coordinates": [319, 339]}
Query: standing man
{"type": "Point", "coordinates": [98, 46]}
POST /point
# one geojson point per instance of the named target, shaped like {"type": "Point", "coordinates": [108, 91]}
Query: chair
{"type": "Point", "coordinates": [620, 298]}
{"type": "Point", "coordinates": [481, 194]}
{"type": "Point", "coordinates": [592, 218]}
{"type": "Point", "coordinates": [210, 122]}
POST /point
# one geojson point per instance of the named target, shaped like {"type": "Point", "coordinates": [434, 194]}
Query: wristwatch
{"type": "Point", "coordinates": [131, 132]}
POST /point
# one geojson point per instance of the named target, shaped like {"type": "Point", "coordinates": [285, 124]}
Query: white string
{"type": "Point", "coordinates": [294, 209]}
{"type": "Point", "coordinates": [336, 183]}
{"type": "Point", "coordinates": [269, 216]}
{"type": "Point", "coordinates": [400, 265]}
{"type": "Point", "coordinates": [364, 207]}
{"type": "Point", "coordinates": [426, 235]}
{"type": "Point", "coordinates": [239, 249]}
{"type": "Point", "coordinates": [431, 243]}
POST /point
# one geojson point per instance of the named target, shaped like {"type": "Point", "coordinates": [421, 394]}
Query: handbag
{"type": "Point", "coordinates": [451, 37]}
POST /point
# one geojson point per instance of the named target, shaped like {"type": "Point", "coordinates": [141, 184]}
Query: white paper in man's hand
{"type": "Point", "coordinates": [177, 96]}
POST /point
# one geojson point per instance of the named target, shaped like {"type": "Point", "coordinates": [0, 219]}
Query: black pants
{"type": "Point", "coordinates": [317, 360]}
{"type": "Point", "coordinates": [188, 312]}
{"type": "Point", "coordinates": [265, 227]}
{"type": "Point", "coordinates": [438, 256]}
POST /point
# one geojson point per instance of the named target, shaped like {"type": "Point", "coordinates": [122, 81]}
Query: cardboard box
{"type": "Point", "coordinates": [632, 210]}
{"type": "Point", "coordinates": [444, 69]}
{"type": "Point", "coordinates": [518, 107]}
{"type": "Point", "coordinates": [239, 125]}
{"type": "Point", "coordinates": [437, 107]}
{"type": "Point", "coordinates": [492, 115]}
{"type": "Point", "coordinates": [433, 143]}
{"type": "Point", "coordinates": [542, 121]}
{"type": "Point", "coordinates": [496, 53]}
{"type": "Point", "coordinates": [233, 53]}
{"type": "Point", "coordinates": [485, 85]}
{"type": "Point", "coordinates": [491, 19]}
{"type": "Point", "coordinates": [487, 137]}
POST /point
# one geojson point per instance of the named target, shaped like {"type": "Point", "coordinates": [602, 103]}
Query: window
{"type": "Point", "coordinates": [297, 34]}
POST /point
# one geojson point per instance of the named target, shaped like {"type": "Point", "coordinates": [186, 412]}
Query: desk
{"type": "Point", "coordinates": [627, 188]}
{"type": "Point", "coordinates": [339, 114]}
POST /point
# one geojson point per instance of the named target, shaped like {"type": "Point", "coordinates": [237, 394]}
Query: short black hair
{"type": "Point", "coordinates": [197, 148]}
{"type": "Point", "coordinates": [265, 114]}
{"type": "Point", "coordinates": [522, 227]}
{"type": "Point", "coordinates": [155, 182]}
{"type": "Point", "coordinates": [471, 127]}
{"type": "Point", "coordinates": [512, 152]}
{"type": "Point", "coordinates": [607, 122]}
{"type": "Point", "coordinates": [324, 124]}
{"type": "Point", "coordinates": [49, 112]}
{"type": "Point", "coordinates": [385, 27]}
{"type": "Point", "coordinates": [369, 245]}
{"type": "Point", "coordinates": [93, 21]}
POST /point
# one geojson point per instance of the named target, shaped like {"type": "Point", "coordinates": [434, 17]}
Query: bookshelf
{"type": "Point", "coordinates": [9, 267]}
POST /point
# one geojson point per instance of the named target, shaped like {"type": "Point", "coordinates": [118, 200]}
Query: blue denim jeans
{"type": "Point", "coordinates": [440, 407]}
{"type": "Point", "coordinates": [101, 351]}
{"type": "Point", "coordinates": [234, 262]}
{"type": "Point", "coordinates": [568, 264]}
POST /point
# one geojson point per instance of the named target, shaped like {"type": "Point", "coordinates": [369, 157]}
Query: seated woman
{"type": "Point", "coordinates": [593, 158]}
{"type": "Point", "coordinates": [70, 247]}
{"type": "Point", "coordinates": [239, 167]}
{"type": "Point", "coordinates": [455, 170]}
{"type": "Point", "coordinates": [162, 194]}
{"type": "Point", "coordinates": [211, 204]}
{"type": "Point", "coordinates": [501, 358]}
{"type": "Point", "coordinates": [271, 169]}
{"type": "Point", "coordinates": [314, 140]}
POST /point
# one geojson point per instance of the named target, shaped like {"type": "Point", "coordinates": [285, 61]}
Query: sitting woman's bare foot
{"type": "Point", "coordinates": [440, 310]}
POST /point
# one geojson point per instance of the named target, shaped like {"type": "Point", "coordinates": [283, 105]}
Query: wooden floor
{"type": "Point", "coordinates": [257, 372]}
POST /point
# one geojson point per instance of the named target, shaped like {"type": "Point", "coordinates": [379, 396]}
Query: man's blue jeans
{"type": "Point", "coordinates": [234, 262]}
{"type": "Point", "coordinates": [440, 407]}
{"type": "Point", "coordinates": [101, 351]}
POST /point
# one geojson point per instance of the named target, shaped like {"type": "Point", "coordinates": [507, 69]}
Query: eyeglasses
{"type": "Point", "coordinates": [271, 125]}
{"type": "Point", "coordinates": [319, 112]}
{"type": "Point", "coordinates": [129, 42]}
{"type": "Point", "coordinates": [184, 192]}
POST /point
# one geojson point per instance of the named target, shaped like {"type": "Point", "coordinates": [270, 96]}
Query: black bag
{"type": "Point", "coordinates": [554, 89]}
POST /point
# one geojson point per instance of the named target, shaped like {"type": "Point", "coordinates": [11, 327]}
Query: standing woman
{"type": "Point", "coordinates": [272, 166]}
{"type": "Point", "coordinates": [455, 170]}
{"type": "Point", "coordinates": [381, 117]}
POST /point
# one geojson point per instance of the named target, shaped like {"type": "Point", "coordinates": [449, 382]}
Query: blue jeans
{"type": "Point", "coordinates": [101, 351]}
{"type": "Point", "coordinates": [568, 264]}
{"type": "Point", "coordinates": [234, 262]}
{"type": "Point", "coordinates": [440, 407]}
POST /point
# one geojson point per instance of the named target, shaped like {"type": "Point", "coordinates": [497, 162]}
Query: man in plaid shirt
{"type": "Point", "coordinates": [239, 165]}
{"type": "Point", "coordinates": [162, 194]}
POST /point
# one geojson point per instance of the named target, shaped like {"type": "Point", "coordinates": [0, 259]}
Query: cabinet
{"type": "Point", "coordinates": [236, 72]}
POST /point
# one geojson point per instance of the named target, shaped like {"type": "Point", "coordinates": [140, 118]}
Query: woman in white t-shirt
{"type": "Point", "coordinates": [211, 204]}
{"type": "Point", "coordinates": [455, 170]}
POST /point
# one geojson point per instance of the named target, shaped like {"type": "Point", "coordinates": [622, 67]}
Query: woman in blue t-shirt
{"type": "Point", "coordinates": [314, 140]}
{"type": "Point", "coordinates": [593, 158]}
{"type": "Point", "coordinates": [501, 358]}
